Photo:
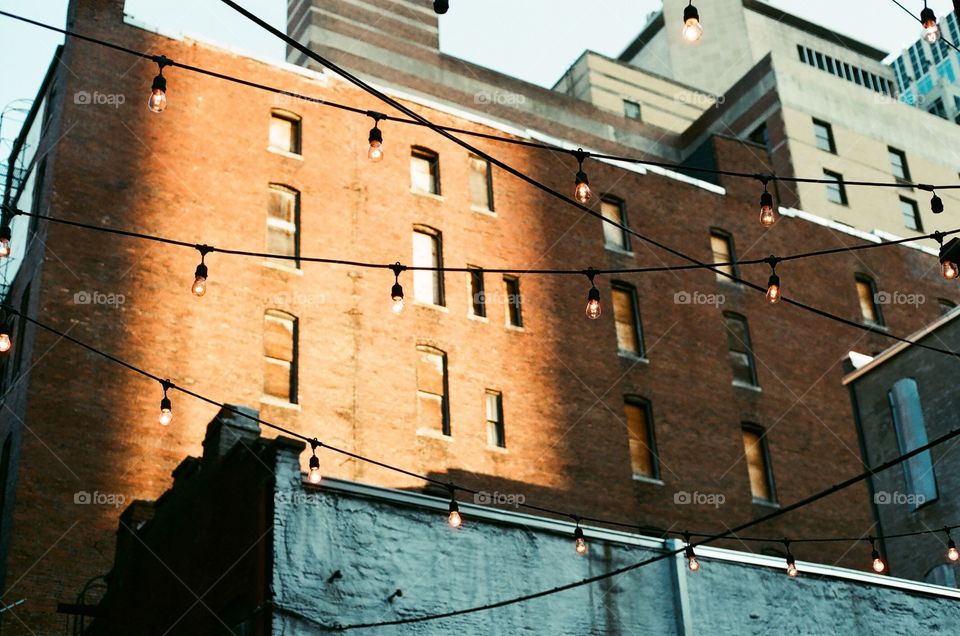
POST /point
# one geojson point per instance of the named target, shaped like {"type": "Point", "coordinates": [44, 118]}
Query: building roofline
{"type": "Point", "coordinates": [653, 27]}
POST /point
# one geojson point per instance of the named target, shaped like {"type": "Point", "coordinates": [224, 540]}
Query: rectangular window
{"type": "Point", "coordinates": [481, 184]}
{"type": "Point", "coordinates": [433, 410]}
{"type": "Point", "coordinates": [280, 355]}
{"type": "Point", "coordinates": [512, 288]}
{"type": "Point", "coordinates": [836, 191]}
{"type": "Point", "coordinates": [626, 314]}
{"type": "Point", "coordinates": [758, 464]}
{"type": "Point", "coordinates": [631, 109]}
{"type": "Point", "coordinates": [283, 223]}
{"type": "Point", "coordinates": [424, 171]}
{"type": "Point", "coordinates": [740, 351]}
{"type": "Point", "coordinates": [496, 436]}
{"type": "Point", "coordinates": [911, 430]}
{"type": "Point", "coordinates": [427, 252]}
{"type": "Point", "coordinates": [643, 449]}
{"type": "Point", "coordinates": [898, 164]}
{"type": "Point", "coordinates": [911, 214]}
{"type": "Point", "coordinates": [285, 132]}
{"type": "Point", "coordinates": [722, 245]}
{"type": "Point", "coordinates": [613, 236]}
{"type": "Point", "coordinates": [867, 293]}
{"type": "Point", "coordinates": [823, 132]}
{"type": "Point", "coordinates": [478, 299]}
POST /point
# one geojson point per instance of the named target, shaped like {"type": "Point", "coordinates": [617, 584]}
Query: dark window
{"type": "Point", "coordinates": [433, 410]}
{"type": "Point", "coordinates": [739, 349]}
{"type": "Point", "coordinates": [836, 191]}
{"type": "Point", "coordinates": [631, 109]}
{"type": "Point", "coordinates": [911, 431]}
{"type": "Point", "coordinates": [4, 474]}
{"type": "Point", "coordinates": [481, 184]}
{"type": "Point", "coordinates": [478, 299]}
{"type": "Point", "coordinates": [867, 294]}
{"type": "Point", "coordinates": [823, 132]}
{"type": "Point", "coordinates": [280, 355]}
{"type": "Point", "coordinates": [424, 171]}
{"type": "Point", "coordinates": [285, 133]}
{"type": "Point", "coordinates": [496, 436]}
{"type": "Point", "coordinates": [626, 314]}
{"type": "Point", "coordinates": [757, 454]}
{"type": "Point", "coordinates": [898, 164]}
{"type": "Point", "coordinates": [722, 245]}
{"type": "Point", "coordinates": [283, 223]}
{"type": "Point", "coordinates": [911, 214]}
{"type": "Point", "coordinates": [613, 236]}
{"type": "Point", "coordinates": [643, 445]}
{"type": "Point", "coordinates": [18, 343]}
{"type": "Point", "coordinates": [820, 63]}
{"type": "Point", "coordinates": [761, 135]}
{"type": "Point", "coordinates": [427, 252]}
{"type": "Point", "coordinates": [514, 313]}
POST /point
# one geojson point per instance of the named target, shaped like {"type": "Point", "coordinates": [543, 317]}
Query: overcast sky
{"type": "Point", "coordinates": [535, 40]}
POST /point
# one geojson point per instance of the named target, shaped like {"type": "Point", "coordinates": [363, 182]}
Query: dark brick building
{"type": "Point", "coordinates": [318, 348]}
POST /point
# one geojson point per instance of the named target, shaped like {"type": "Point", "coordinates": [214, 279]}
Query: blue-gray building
{"type": "Point", "coordinates": [927, 74]}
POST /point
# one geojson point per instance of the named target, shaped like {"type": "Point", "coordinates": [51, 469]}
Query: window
{"type": "Point", "coordinates": [643, 448]}
{"type": "Point", "coordinates": [433, 410]}
{"type": "Point", "coordinates": [4, 473]}
{"type": "Point", "coordinates": [946, 306]}
{"type": "Point", "coordinates": [740, 351]}
{"type": "Point", "coordinates": [867, 293]}
{"type": "Point", "coordinates": [425, 171]}
{"type": "Point", "coordinates": [631, 109]}
{"type": "Point", "coordinates": [761, 136]}
{"type": "Point", "coordinates": [722, 244]}
{"type": "Point", "coordinates": [427, 252]}
{"type": "Point", "coordinates": [613, 236]}
{"type": "Point", "coordinates": [911, 433]}
{"type": "Point", "coordinates": [937, 108]}
{"type": "Point", "coordinates": [626, 314]}
{"type": "Point", "coordinates": [911, 214]}
{"type": "Point", "coordinates": [823, 132]}
{"type": "Point", "coordinates": [283, 222]}
{"type": "Point", "coordinates": [758, 464]}
{"type": "Point", "coordinates": [836, 191]}
{"type": "Point", "coordinates": [898, 164]}
{"type": "Point", "coordinates": [495, 433]}
{"type": "Point", "coordinates": [512, 288]}
{"type": "Point", "coordinates": [280, 355]}
{"type": "Point", "coordinates": [285, 132]}
{"type": "Point", "coordinates": [478, 299]}
{"type": "Point", "coordinates": [481, 184]}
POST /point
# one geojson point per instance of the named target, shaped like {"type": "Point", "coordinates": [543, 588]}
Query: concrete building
{"type": "Point", "coordinates": [760, 65]}
{"type": "Point", "coordinates": [687, 384]}
{"type": "Point", "coordinates": [927, 74]}
{"type": "Point", "coordinates": [902, 398]}
{"type": "Point", "coordinates": [290, 550]}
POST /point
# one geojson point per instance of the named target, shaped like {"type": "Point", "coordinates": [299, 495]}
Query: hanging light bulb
{"type": "Point", "coordinates": [5, 235]}
{"type": "Point", "coordinates": [952, 553]}
{"type": "Point", "coordinates": [948, 257]}
{"type": "Point", "coordinates": [441, 6]}
{"type": "Point", "coordinates": [692, 30]}
{"type": "Point", "coordinates": [166, 408]}
{"type": "Point", "coordinates": [5, 343]}
{"type": "Point", "coordinates": [692, 563]}
{"type": "Point", "coordinates": [579, 542]}
{"type": "Point", "coordinates": [454, 518]}
{"type": "Point", "coordinates": [950, 270]}
{"type": "Point", "coordinates": [396, 292]}
{"type": "Point", "coordinates": [936, 204]}
{"type": "Point", "coordinates": [200, 281]}
{"type": "Point", "coordinates": [767, 214]}
{"type": "Point", "coordinates": [375, 154]}
{"type": "Point", "coordinates": [581, 190]}
{"type": "Point", "coordinates": [593, 298]}
{"type": "Point", "coordinates": [158, 90]}
{"type": "Point", "coordinates": [931, 30]}
{"type": "Point", "coordinates": [792, 570]}
{"type": "Point", "coordinates": [314, 475]}
{"type": "Point", "coordinates": [876, 562]}
{"type": "Point", "coordinates": [773, 284]}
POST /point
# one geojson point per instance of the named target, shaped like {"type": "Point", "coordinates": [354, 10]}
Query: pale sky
{"type": "Point", "coordinates": [534, 40]}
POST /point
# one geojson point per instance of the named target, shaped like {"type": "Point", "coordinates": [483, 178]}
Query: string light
{"type": "Point", "coordinates": [949, 254]}
{"type": "Point", "coordinates": [441, 6]}
{"type": "Point", "coordinates": [166, 408]}
{"type": "Point", "coordinates": [199, 287]}
{"type": "Point", "coordinates": [692, 30]}
{"type": "Point", "coordinates": [952, 553]}
{"type": "Point", "coordinates": [876, 562]}
{"type": "Point", "coordinates": [767, 214]}
{"type": "Point", "coordinates": [773, 284]}
{"type": "Point", "coordinates": [581, 190]}
{"type": "Point", "coordinates": [579, 541]}
{"type": "Point", "coordinates": [5, 343]}
{"type": "Point", "coordinates": [314, 475]}
{"type": "Point", "coordinates": [5, 235]}
{"type": "Point", "coordinates": [158, 91]}
{"type": "Point", "coordinates": [936, 204]}
{"type": "Point", "coordinates": [453, 516]}
{"type": "Point", "coordinates": [931, 30]}
{"type": "Point", "coordinates": [593, 297]}
{"type": "Point", "coordinates": [375, 154]}
{"type": "Point", "coordinates": [396, 292]}
{"type": "Point", "coordinates": [792, 570]}
{"type": "Point", "coordinates": [692, 563]}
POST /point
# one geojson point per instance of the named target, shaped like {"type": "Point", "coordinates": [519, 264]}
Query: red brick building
{"type": "Point", "coordinates": [210, 170]}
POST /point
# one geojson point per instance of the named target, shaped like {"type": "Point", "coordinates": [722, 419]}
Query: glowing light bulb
{"type": "Point", "coordinates": [792, 570]}
{"type": "Point", "coordinates": [454, 518]}
{"type": "Point", "coordinates": [582, 191]}
{"type": "Point", "coordinates": [5, 241]}
{"type": "Point", "coordinates": [5, 342]}
{"type": "Point", "coordinates": [950, 270]}
{"type": "Point", "coordinates": [767, 214]}
{"type": "Point", "coordinates": [375, 154]}
{"type": "Point", "coordinates": [314, 475]}
{"type": "Point", "coordinates": [773, 289]}
{"type": "Point", "coordinates": [692, 30]}
{"type": "Point", "coordinates": [579, 542]}
{"type": "Point", "coordinates": [158, 95]}
{"type": "Point", "coordinates": [692, 563]}
{"type": "Point", "coordinates": [952, 553]}
{"type": "Point", "coordinates": [593, 304]}
{"type": "Point", "coordinates": [397, 295]}
{"type": "Point", "coordinates": [931, 31]}
{"type": "Point", "coordinates": [877, 563]}
{"type": "Point", "coordinates": [200, 281]}
{"type": "Point", "coordinates": [166, 411]}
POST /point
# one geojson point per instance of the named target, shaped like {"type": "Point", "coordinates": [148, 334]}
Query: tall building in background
{"type": "Point", "coordinates": [927, 74]}
{"type": "Point", "coordinates": [687, 385]}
